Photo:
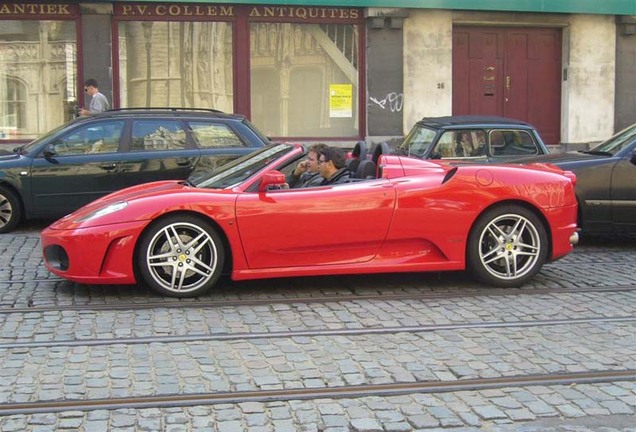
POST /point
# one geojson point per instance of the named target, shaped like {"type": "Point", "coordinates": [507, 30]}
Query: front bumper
{"type": "Point", "coordinates": [96, 255]}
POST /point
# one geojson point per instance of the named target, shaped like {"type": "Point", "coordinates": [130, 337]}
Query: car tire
{"type": "Point", "coordinates": [181, 256]}
{"type": "Point", "coordinates": [507, 246]}
{"type": "Point", "coordinates": [10, 210]}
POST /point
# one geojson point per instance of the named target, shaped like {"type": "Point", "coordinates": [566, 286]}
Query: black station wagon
{"type": "Point", "coordinates": [92, 156]}
{"type": "Point", "coordinates": [472, 138]}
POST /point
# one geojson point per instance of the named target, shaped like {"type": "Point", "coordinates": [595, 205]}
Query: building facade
{"type": "Point", "coordinates": [336, 71]}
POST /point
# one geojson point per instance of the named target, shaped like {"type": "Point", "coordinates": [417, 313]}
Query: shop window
{"type": "Point", "coordinates": [175, 64]}
{"type": "Point", "coordinates": [265, 100]}
{"type": "Point", "coordinates": [304, 80]}
{"type": "Point", "coordinates": [14, 106]}
{"type": "Point", "coordinates": [38, 61]}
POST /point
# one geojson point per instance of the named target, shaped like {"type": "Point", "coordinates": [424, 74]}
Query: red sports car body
{"type": "Point", "coordinates": [499, 222]}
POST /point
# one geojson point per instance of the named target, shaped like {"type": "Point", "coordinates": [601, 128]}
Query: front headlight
{"type": "Point", "coordinates": [112, 208]}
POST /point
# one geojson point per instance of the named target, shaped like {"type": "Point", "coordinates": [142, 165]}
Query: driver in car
{"type": "Point", "coordinates": [307, 172]}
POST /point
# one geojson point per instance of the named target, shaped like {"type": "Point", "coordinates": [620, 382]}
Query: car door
{"type": "Point", "coordinates": [76, 168]}
{"type": "Point", "coordinates": [623, 191]}
{"type": "Point", "coordinates": [158, 150]}
{"type": "Point", "coordinates": [338, 224]}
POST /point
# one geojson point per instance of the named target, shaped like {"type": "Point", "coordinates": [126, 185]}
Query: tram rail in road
{"type": "Point", "coordinates": [185, 400]}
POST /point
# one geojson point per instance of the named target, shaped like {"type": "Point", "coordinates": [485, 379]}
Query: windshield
{"type": "Point", "coordinates": [417, 141]}
{"type": "Point", "coordinates": [617, 142]}
{"type": "Point", "coordinates": [235, 172]}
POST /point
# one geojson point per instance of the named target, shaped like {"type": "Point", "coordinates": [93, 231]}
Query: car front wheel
{"type": "Point", "coordinates": [181, 256]}
{"type": "Point", "coordinates": [10, 211]}
{"type": "Point", "coordinates": [507, 246]}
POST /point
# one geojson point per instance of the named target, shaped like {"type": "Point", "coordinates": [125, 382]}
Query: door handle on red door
{"type": "Point", "coordinates": [108, 167]}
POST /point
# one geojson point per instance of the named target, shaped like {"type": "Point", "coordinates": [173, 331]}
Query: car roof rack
{"type": "Point", "coordinates": [166, 109]}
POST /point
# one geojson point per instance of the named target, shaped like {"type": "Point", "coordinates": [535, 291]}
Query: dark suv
{"type": "Point", "coordinates": [92, 156]}
{"type": "Point", "coordinates": [472, 138]}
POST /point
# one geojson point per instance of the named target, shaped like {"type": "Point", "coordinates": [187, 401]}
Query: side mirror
{"type": "Point", "coordinates": [49, 151]}
{"type": "Point", "coordinates": [273, 180]}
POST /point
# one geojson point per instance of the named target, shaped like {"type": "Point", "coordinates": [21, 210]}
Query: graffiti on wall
{"type": "Point", "coordinates": [392, 101]}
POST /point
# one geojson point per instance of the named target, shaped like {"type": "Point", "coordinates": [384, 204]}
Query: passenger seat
{"type": "Point", "coordinates": [366, 170]}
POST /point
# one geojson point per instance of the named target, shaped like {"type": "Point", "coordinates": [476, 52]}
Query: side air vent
{"type": "Point", "coordinates": [449, 175]}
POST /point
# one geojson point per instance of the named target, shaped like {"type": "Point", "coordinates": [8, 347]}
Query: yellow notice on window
{"type": "Point", "coordinates": [341, 100]}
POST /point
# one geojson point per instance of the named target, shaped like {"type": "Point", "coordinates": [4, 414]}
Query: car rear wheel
{"type": "Point", "coordinates": [10, 211]}
{"type": "Point", "coordinates": [181, 256]}
{"type": "Point", "coordinates": [507, 246]}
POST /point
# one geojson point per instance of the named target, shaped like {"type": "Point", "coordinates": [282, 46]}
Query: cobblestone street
{"type": "Point", "coordinates": [434, 352]}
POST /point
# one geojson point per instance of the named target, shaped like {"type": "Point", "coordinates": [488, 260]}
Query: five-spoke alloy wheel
{"type": "Point", "coordinates": [181, 256]}
{"type": "Point", "coordinates": [507, 246]}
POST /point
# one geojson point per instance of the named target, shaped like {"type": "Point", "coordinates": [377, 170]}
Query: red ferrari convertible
{"type": "Point", "coordinates": [501, 223]}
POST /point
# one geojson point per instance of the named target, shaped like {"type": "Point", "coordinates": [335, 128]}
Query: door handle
{"type": "Point", "coordinates": [108, 167]}
{"type": "Point", "coordinates": [184, 162]}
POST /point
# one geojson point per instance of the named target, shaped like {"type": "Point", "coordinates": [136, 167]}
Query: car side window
{"type": "Point", "coordinates": [97, 137]}
{"type": "Point", "coordinates": [445, 147]}
{"type": "Point", "coordinates": [468, 143]}
{"type": "Point", "coordinates": [150, 135]}
{"type": "Point", "coordinates": [512, 143]}
{"type": "Point", "coordinates": [214, 135]}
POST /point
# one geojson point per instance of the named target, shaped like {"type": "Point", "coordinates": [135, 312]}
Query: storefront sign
{"type": "Point", "coordinates": [304, 13]}
{"type": "Point", "coordinates": [31, 10]}
{"type": "Point", "coordinates": [340, 100]}
{"type": "Point", "coordinates": [161, 11]}
{"type": "Point", "coordinates": [609, 7]}
{"type": "Point", "coordinates": [173, 10]}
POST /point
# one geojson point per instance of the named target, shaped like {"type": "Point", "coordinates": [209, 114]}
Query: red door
{"type": "Point", "coordinates": [511, 72]}
{"type": "Point", "coordinates": [315, 226]}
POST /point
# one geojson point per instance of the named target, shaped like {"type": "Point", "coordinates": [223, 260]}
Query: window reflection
{"type": "Point", "coordinates": [294, 70]}
{"type": "Point", "coordinates": [37, 76]}
{"type": "Point", "coordinates": [176, 64]}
